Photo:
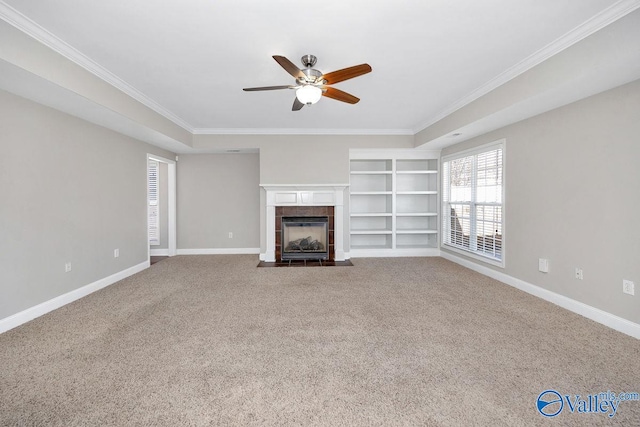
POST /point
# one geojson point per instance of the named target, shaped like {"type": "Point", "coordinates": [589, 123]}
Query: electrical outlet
{"type": "Point", "coordinates": [116, 253]}
{"type": "Point", "coordinates": [543, 265]}
{"type": "Point", "coordinates": [579, 274]}
{"type": "Point", "coordinates": [230, 235]}
{"type": "Point", "coordinates": [67, 267]}
{"type": "Point", "coordinates": [628, 287]}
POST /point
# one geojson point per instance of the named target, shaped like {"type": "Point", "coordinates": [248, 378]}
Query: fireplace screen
{"type": "Point", "coordinates": [305, 237]}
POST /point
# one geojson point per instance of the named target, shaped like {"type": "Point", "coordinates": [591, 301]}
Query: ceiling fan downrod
{"type": "Point", "coordinates": [309, 60]}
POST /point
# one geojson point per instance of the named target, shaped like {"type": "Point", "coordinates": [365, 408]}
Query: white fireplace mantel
{"type": "Point", "coordinates": [304, 195]}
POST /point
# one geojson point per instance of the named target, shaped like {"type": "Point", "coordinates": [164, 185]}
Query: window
{"type": "Point", "coordinates": [153, 207]}
{"type": "Point", "coordinates": [472, 202]}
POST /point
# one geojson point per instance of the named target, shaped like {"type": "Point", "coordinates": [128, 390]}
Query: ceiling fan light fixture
{"type": "Point", "coordinates": [309, 94]}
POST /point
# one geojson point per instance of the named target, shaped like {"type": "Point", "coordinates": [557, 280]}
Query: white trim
{"type": "Point", "coordinates": [592, 25]}
{"type": "Point", "coordinates": [393, 153]}
{"type": "Point", "coordinates": [220, 251]}
{"type": "Point", "coordinates": [475, 255]}
{"type": "Point", "coordinates": [302, 187]}
{"type": "Point", "coordinates": [171, 203]}
{"type": "Point", "coordinates": [297, 131]}
{"type": "Point", "coordinates": [31, 313]}
{"type": "Point", "coordinates": [31, 28]}
{"type": "Point", "coordinates": [159, 252]}
{"type": "Point", "coordinates": [607, 319]}
{"type": "Point", "coordinates": [172, 223]}
{"type": "Point", "coordinates": [304, 195]}
{"type": "Point", "coordinates": [502, 144]}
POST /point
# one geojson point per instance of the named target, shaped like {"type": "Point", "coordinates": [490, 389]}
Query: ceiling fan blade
{"type": "Point", "coordinates": [339, 95]}
{"type": "Point", "coordinates": [346, 73]}
{"type": "Point", "coordinates": [289, 66]}
{"type": "Point", "coordinates": [297, 105]}
{"type": "Point", "coordinates": [252, 89]}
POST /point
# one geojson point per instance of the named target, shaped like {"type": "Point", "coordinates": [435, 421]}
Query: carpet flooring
{"type": "Point", "coordinates": [214, 340]}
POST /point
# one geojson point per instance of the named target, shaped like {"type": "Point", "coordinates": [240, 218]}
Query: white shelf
{"type": "Point", "coordinates": [394, 208]}
{"type": "Point", "coordinates": [367, 247]}
{"type": "Point", "coordinates": [416, 231]}
{"type": "Point", "coordinates": [399, 251]}
{"type": "Point", "coordinates": [420, 214]}
{"type": "Point", "coordinates": [371, 172]}
{"type": "Point", "coordinates": [371, 214]}
{"type": "Point", "coordinates": [371, 193]}
{"type": "Point", "coordinates": [407, 214]}
{"type": "Point", "coordinates": [413, 247]}
{"type": "Point", "coordinates": [371, 231]}
{"type": "Point", "coordinates": [412, 193]}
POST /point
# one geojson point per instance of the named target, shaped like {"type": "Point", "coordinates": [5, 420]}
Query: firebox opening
{"type": "Point", "coordinates": [305, 237]}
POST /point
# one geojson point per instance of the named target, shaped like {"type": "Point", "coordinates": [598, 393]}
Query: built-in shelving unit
{"type": "Point", "coordinates": [393, 203]}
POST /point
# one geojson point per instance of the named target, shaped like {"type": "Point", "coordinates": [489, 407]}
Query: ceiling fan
{"type": "Point", "coordinates": [311, 84]}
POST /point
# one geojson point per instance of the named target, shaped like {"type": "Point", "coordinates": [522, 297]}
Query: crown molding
{"type": "Point", "coordinates": [32, 29]}
{"type": "Point", "coordinates": [590, 26]}
{"type": "Point", "coordinates": [597, 22]}
{"type": "Point", "coordinates": [296, 131]}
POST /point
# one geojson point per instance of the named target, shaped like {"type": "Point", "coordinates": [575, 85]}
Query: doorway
{"type": "Point", "coordinates": [161, 206]}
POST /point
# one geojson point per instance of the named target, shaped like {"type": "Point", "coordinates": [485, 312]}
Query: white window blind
{"type": "Point", "coordinates": [472, 201]}
{"type": "Point", "coordinates": [153, 203]}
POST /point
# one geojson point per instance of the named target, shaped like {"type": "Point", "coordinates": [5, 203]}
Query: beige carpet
{"type": "Point", "coordinates": [213, 340]}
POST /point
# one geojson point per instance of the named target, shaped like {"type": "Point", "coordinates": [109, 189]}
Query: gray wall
{"type": "Point", "coordinates": [218, 194]}
{"type": "Point", "coordinates": [301, 159]}
{"type": "Point", "coordinates": [72, 192]}
{"type": "Point", "coordinates": [572, 196]}
{"type": "Point", "coordinates": [317, 159]}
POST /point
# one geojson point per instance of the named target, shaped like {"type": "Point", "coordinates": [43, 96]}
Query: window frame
{"type": "Point", "coordinates": [444, 204]}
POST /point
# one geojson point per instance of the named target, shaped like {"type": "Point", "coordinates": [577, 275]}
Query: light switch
{"type": "Point", "coordinates": [543, 265]}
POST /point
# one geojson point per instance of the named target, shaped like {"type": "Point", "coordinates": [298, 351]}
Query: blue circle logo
{"type": "Point", "coordinates": [550, 403]}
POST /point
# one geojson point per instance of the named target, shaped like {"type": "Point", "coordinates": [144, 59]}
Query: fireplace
{"type": "Point", "coordinates": [300, 200]}
{"type": "Point", "coordinates": [300, 231]}
{"type": "Point", "coordinates": [305, 237]}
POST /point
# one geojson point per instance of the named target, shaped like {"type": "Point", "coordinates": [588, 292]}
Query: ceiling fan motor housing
{"type": "Point", "coordinates": [312, 76]}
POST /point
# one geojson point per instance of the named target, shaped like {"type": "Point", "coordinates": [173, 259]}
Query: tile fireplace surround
{"type": "Point", "coordinates": [305, 211]}
{"type": "Point", "coordinates": [322, 196]}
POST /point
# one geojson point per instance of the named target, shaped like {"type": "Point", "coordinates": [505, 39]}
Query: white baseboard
{"type": "Point", "coordinates": [64, 299]}
{"type": "Point", "coordinates": [612, 321]}
{"type": "Point", "coordinates": [159, 252]}
{"type": "Point", "coordinates": [219, 251]}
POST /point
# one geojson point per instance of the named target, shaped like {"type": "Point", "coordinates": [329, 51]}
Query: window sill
{"type": "Point", "coordinates": [474, 255]}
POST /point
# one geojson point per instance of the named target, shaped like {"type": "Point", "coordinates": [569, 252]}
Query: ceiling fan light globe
{"type": "Point", "coordinates": [309, 94]}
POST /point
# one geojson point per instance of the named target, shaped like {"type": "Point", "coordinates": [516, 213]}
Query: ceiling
{"type": "Point", "coordinates": [190, 59]}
